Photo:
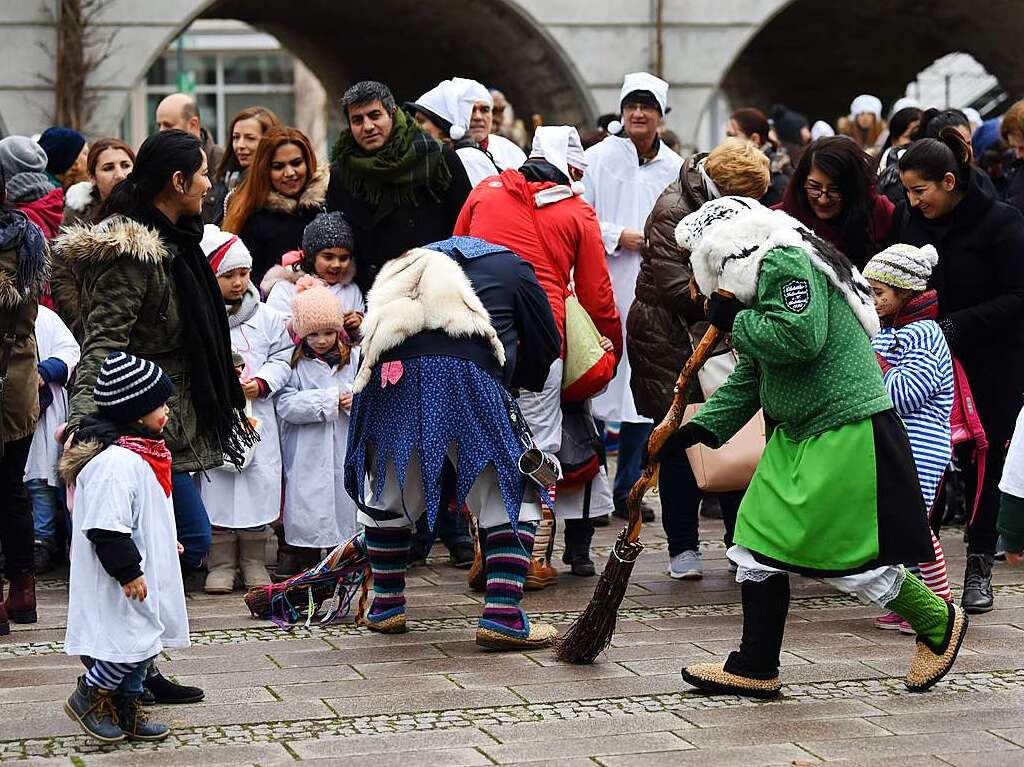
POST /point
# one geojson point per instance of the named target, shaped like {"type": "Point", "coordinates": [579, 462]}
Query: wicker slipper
{"type": "Point", "coordinates": [393, 625]}
{"type": "Point", "coordinates": [929, 666]}
{"type": "Point", "coordinates": [541, 635]}
{"type": "Point", "coordinates": [713, 678]}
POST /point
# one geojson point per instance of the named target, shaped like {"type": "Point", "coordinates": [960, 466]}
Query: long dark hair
{"type": "Point", "coordinates": [933, 158]}
{"type": "Point", "coordinates": [934, 121]}
{"type": "Point", "coordinates": [161, 156]}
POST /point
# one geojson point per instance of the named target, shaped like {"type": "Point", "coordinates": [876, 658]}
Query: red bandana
{"type": "Point", "coordinates": [155, 453]}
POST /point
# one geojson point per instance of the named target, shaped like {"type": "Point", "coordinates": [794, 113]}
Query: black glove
{"type": "Point", "coordinates": [685, 436]}
{"type": "Point", "coordinates": [722, 311]}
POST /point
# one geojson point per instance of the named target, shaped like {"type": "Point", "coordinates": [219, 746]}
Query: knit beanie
{"type": "Point", "coordinates": [128, 387]}
{"type": "Point", "coordinates": [62, 147]}
{"type": "Point", "coordinates": [224, 250]}
{"type": "Point", "coordinates": [903, 266]}
{"type": "Point", "coordinates": [20, 154]}
{"type": "Point", "coordinates": [328, 230]}
{"type": "Point", "coordinates": [316, 309]}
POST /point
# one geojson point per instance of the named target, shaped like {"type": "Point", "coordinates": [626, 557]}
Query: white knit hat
{"type": "Point", "coordinates": [903, 266]}
{"type": "Point", "coordinates": [865, 103]}
{"type": "Point", "coordinates": [224, 250]}
{"type": "Point", "coordinates": [452, 100]}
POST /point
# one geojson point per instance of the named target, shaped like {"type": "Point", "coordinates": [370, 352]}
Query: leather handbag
{"type": "Point", "coordinates": [731, 466]}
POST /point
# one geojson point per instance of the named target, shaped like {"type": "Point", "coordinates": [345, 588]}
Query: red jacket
{"type": "Point", "coordinates": [47, 212]}
{"type": "Point", "coordinates": [501, 210]}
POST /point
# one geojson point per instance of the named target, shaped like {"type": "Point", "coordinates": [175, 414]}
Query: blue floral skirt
{"type": "Point", "coordinates": [436, 402]}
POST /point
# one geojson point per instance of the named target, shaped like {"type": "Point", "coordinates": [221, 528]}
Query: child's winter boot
{"type": "Point", "coordinates": [93, 709]}
{"type": "Point", "coordinates": [134, 721]}
{"type": "Point", "coordinates": [222, 562]}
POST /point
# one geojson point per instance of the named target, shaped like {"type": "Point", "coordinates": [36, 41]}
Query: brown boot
{"type": "Point", "coordinates": [540, 573]}
{"type": "Point", "coordinates": [21, 601]}
{"type": "Point", "coordinates": [478, 571]}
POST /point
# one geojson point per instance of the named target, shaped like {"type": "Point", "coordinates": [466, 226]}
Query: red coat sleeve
{"type": "Point", "coordinates": [593, 283]}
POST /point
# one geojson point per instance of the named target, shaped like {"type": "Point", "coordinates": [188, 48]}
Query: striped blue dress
{"type": "Point", "coordinates": [920, 383]}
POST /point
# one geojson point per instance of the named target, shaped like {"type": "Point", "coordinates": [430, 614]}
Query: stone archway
{"type": "Point", "coordinates": [815, 56]}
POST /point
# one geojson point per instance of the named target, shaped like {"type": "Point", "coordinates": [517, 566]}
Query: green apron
{"type": "Point", "coordinates": [813, 504]}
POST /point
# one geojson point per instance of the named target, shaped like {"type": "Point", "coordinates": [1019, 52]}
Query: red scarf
{"type": "Point", "coordinates": [155, 453]}
{"type": "Point", "coordinates": [924, 306]}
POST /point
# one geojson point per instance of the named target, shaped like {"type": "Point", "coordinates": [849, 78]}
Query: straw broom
{"type": "Point", "coordinates": [592, 631]}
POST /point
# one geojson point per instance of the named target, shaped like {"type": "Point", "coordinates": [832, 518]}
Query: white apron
{"type": "Point", "coordinates": [53, 339]}
{"type": "Point", "coordinates": [507, 155]}
{"type": "Point", "coordinates": [117, 490]}
{"type": "Point", "coordinates": [477, 164]}
{"type": "Point", "coordinates": [314, 438]}
{"type": "Point", "coordinates": [253, 497]}
{"type": "Point", "coordinates": [623, 194]}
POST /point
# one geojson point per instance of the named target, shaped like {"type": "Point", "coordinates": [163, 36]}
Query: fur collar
{"type": "Point", "coordinates": [76, 457]}
{"type": "Point", "coordinates": [313, 196]}
{"type": "Point", "coordinates": [421, 290]}
{"type": "Point", "coordinates": [728, 239]}
{"type": "Point", "coordinates": [80, 196]}
{"type": "Point", "coordinates": [113, 238]}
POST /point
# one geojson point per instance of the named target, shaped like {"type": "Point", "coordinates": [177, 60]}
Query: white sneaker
{"type": "Point", "coordinates": [686, 566]}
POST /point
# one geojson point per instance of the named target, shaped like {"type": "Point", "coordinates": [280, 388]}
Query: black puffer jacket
{"type": "Point", "coordinates": [663, 317]}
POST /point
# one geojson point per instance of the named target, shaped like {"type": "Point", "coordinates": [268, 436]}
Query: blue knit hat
{"type": "Point", "coordinates": [128, 387]}
{"type": "Point", "coordinates": [62, 147]}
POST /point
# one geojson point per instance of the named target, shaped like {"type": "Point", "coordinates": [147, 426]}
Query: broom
{"type": "Point", "coordinates": [592, 631]}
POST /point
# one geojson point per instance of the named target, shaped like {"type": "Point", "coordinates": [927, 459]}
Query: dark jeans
{"type": "Point", "coordinates": [680, 498]}
{"type": "Point", "coordinates": [630, 465]}
{"type": "Point", "coordinates": [17, 529]}
{"type": "Point", "coordinates": [191, 520]}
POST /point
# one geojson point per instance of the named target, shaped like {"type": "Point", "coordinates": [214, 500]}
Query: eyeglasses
{"type": "Point", "coordinates": [817, 192]}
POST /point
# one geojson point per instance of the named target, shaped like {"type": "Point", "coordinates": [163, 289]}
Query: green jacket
{"type": "Point", "coordinates": [803, 356]}
{"type": "Point", "coordinates": [128, 301]}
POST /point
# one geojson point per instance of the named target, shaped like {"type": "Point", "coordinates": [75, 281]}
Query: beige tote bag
{"type": "Point", "coordinates": [731, 466]}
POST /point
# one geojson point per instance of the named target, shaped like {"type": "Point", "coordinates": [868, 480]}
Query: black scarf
{"type": "Point", "coordinates": [216, 393]}
{"type": "Point", "coordinates": [95, 428]}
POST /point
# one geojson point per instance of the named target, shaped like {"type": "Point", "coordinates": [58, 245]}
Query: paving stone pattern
{"type": "Point", "coordinates": [429, 697]}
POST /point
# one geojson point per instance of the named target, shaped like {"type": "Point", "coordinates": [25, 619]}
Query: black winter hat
{"type": "Point", "coordinates": [129, 387]}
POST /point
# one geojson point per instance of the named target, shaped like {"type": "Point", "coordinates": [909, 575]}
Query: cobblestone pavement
{"type": "Point", "coordinates": [429, 697]}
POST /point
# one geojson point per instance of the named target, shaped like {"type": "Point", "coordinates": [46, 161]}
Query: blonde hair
{"type": "Point", "coordinates": [739, 168]}
{"type": "Point", "coordinates": [1013, 121]}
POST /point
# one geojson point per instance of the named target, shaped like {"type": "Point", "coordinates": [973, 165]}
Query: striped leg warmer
{"type": "Point", "coordinates": [508, 557]}
{"type": "Point", "coordinates": [107, 675]}
{"type": "Point", "coordinates": [388, 550]}
{"type": "Point", "coordinates": [934, 573]}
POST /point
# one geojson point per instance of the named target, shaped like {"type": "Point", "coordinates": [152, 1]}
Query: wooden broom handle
{"type": "Point", "coordinates": [672, 421]}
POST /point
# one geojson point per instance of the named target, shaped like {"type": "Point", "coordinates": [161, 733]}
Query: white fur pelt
{"type": "Point", "coordinates": [421, 290]}
{"type": "Point", "coordinates": [729, 237]}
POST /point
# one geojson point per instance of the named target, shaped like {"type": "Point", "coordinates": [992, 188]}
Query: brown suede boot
{"type": "Point", "coordinates": [21, 601]}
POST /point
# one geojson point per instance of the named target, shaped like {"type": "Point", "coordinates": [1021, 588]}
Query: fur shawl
{"type": "Point", "coordinates": [421, 290]}
{"type": "Point", "coordinates": [728, 238]}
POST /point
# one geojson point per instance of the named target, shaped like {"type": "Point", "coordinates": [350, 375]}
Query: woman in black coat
{"type": "Point", "coordinates": [980, 285]}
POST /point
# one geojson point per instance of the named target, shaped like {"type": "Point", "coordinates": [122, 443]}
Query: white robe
{"type": "Point", "coordinates": [314, 439]}
{"type": "Point", "coordinates": [1012, 481]}
{"type": "Point", "coordinates": [117, 490]}
{"type": "Point", "coordinates": [477, 164]}
{"type": "Point", "coordinates": [507, 155]}
{"type": "Point", "coordinates": [623, 194]}
{"type": "Point", "coordinates": [53, 339]}
{"type": "Point", "coordinates": [253, 497]}
{"type": "Point", "coordinates": [281, 295]}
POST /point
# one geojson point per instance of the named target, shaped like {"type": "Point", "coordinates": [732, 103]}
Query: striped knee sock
{"type": "Point", "coordinates": [107, 675]}
{"type": "Point", "coordinates": [388, 550]}
{"type": "Point", "coordinates": [934, 573]}
{"type": "Point", "coordinates": [508, 558]}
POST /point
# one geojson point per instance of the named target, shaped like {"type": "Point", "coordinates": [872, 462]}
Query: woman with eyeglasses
{"type": "Point", "coordinates": [833, 193]}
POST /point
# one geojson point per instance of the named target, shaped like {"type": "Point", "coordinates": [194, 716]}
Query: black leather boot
{"type": "Point", "coordinates": [977, 596]}
{"type": "Point", "coordinates": [166, 691]}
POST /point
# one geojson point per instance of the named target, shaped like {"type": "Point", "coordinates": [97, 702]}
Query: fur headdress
{"type": "Point", "coordinates": [728, 237]}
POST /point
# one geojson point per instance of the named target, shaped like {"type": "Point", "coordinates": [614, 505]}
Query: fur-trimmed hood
{"type": "Point", "coordinates": [111, 239]}
{"type": "Point", "coordinates": [76, 457]}
{"type": "Point", "coordinates": [728, 238]}
{"type": "Point", "coordinates": [313, 196]}
{"type": "Point", "coordinates": [81, 195]}
{"type": "Point", "coordinates": [421, 290]}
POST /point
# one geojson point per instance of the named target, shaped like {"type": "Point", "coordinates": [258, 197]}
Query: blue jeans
{"type": "Point", "coordinates": [47, 510]}
{"type": "Point", "coordinates": [630, 465]}
{"type": "Point", "coordinates": [190, 519]}
{"type": "Point", "coordinates": [122, 678]}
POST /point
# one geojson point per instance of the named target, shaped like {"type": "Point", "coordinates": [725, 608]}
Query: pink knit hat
{"type": "Point", "coordinates": [314, 309]}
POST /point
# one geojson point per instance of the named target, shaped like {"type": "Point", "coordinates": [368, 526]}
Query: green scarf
{"type": "Point", "coordinates": [411, 159]}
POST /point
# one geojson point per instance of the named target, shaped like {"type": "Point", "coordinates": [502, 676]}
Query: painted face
{"type": "Point", "coordinates": [823, 195]}
{"type": "Point", "coordinates": [331, 264]}
{"type": "Point", "coordinates": [112, 167]}
{"type": "Point", "coordinates": [288, 170]}
{"type": "Point", "coordinates": [193, 193]}
{"type": "Point", "coordinates": [430, 126]}
{"type": "Point", "coordinates": [233, 284]}
{"type": "Point", "coordinates": [245, 137]}
{"type": "Point", "coordinates": [322, 341]}
{"type": "Point", "coordinates": [481, 121]}
{"type": "Point", "coordinates": [933, 198]}
{"type": "Point", "coordinates": [371, 125]}
{"type": "Point", "coordinates": [156, 420]}
{"type": "Point", "coordinates": [888, 300]}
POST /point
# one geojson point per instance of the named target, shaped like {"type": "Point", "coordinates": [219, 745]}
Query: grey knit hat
{"type": "Point", "coordinates": [903, 266]}
{"type": "Point", "coordinates": [328, 230]}
{"type": "Point", "coordinates": [20, 154]}
{"type": "Point", "coordinates": [128, 387]}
